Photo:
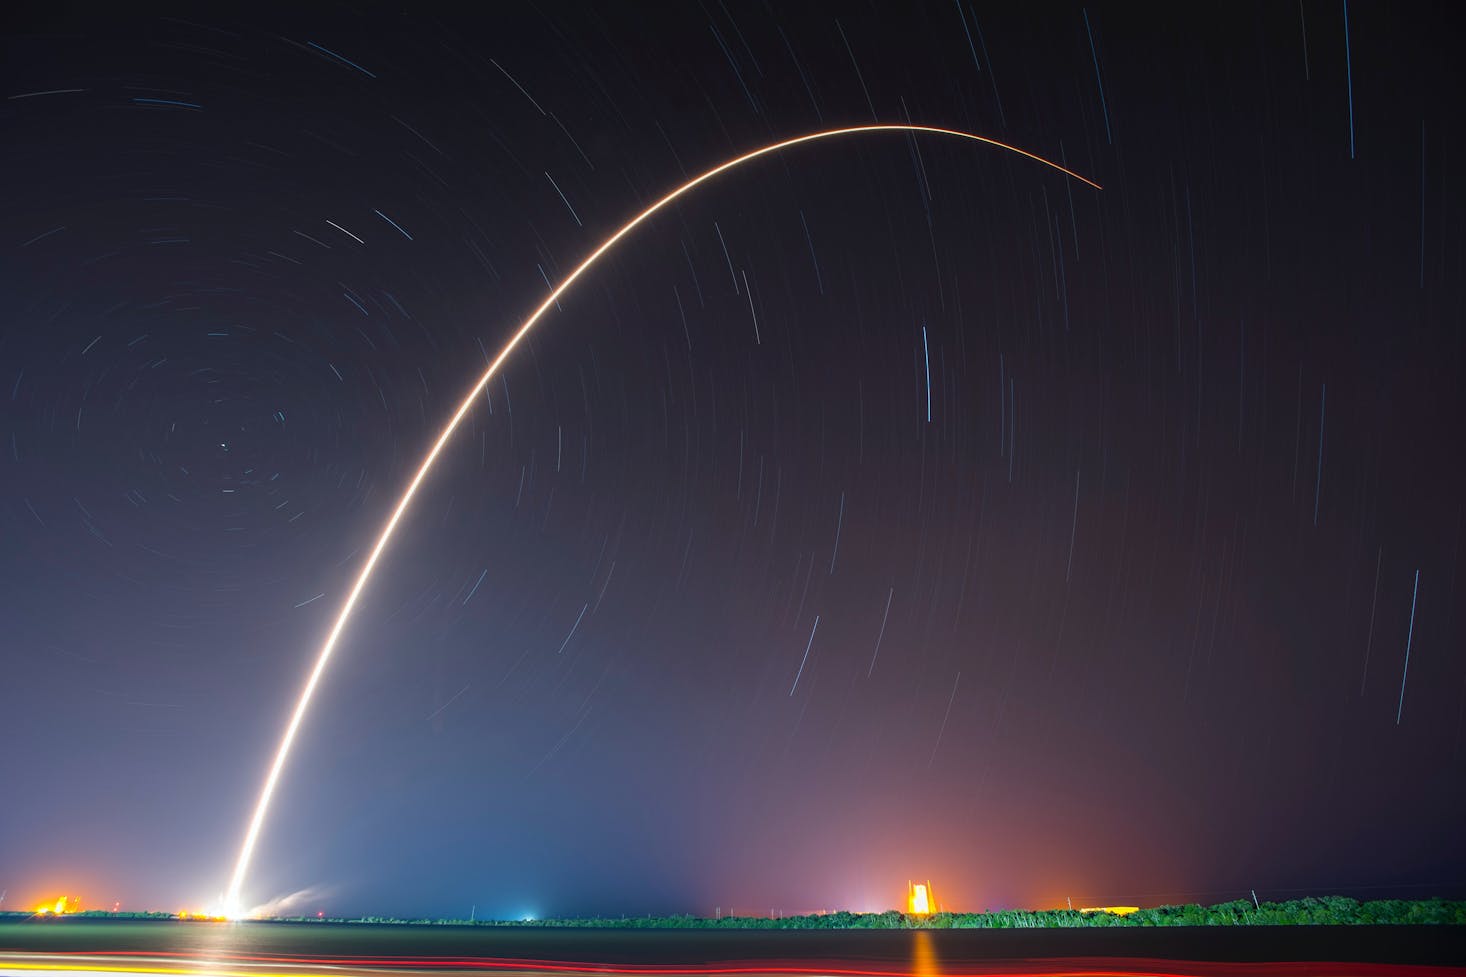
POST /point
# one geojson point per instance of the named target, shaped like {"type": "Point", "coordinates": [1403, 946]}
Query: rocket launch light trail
{"type": "Point", "coordinates": [232, 897]}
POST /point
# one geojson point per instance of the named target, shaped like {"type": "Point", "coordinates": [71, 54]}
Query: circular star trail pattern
{"type": "Point", "coordinates": [888, 509]}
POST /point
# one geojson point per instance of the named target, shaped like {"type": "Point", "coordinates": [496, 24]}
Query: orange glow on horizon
{"type": "Point", "coordinates": [62, 906]}
{"type": "Point", "coordinates": [202, 917]}
{"type": "Point", "coordinates": [919, 900]}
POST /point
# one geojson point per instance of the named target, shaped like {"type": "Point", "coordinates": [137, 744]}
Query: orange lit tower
{"type": "Point", "coordinates": [62, 906]}
{"type": "Point", "coordinates": [921, 900]}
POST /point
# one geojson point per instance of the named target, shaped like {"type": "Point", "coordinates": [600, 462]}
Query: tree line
{"type": "Point", "coordinates": [1310, 911]}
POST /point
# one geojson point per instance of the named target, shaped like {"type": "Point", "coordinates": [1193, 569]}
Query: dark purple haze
{"type": "Point", "coordinates": [1123, 618]}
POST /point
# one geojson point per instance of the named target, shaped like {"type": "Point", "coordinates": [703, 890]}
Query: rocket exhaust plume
{"type": "Point", "coordinates": [267, 790]}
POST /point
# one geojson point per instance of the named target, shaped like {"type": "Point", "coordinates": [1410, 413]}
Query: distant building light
{"type": "Point", "coordinates": [1112, 910]}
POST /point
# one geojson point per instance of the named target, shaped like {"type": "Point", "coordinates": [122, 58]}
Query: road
{"type": "Point", "coordinates": [76, 947]}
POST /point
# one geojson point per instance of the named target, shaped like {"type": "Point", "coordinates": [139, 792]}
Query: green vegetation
{"type": "Point", "coordinates": [1312, 911]}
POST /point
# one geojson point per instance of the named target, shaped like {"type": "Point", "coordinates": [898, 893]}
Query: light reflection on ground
{"type": "Point", "coordinates": [923, 964]}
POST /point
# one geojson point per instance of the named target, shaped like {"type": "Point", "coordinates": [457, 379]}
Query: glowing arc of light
{"type": "Point", "coordinates": [323, 656]}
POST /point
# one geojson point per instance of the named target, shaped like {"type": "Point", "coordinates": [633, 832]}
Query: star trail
{"type": "Point", "coordinates": [888, 474]}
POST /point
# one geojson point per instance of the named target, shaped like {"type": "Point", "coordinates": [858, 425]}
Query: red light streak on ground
{"type": "Point", "coordinates": [267, 790]}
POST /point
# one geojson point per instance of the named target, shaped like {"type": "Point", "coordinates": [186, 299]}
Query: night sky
{"type": "Point", "coordinates": [891, 508]}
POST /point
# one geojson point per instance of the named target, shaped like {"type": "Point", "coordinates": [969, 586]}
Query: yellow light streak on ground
{"type": "Point", "coordinates": [202, 969]}
{"type": "Point", "coordinates": [236, 883]}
